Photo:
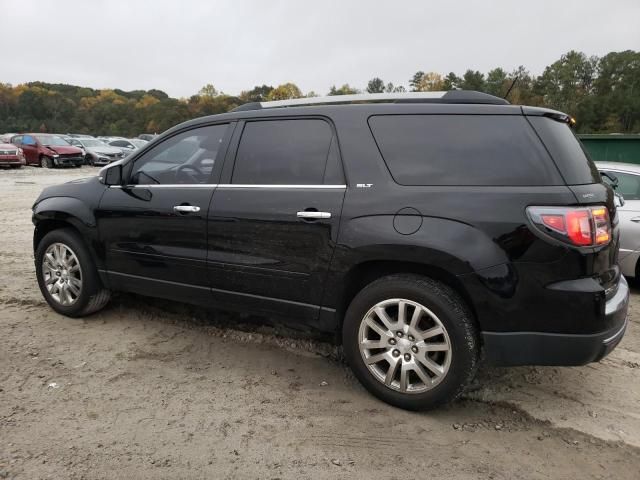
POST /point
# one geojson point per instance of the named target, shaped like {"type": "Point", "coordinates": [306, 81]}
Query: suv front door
{"type": "Point", "coordinates": [153, 227]}
{"type": "Point", "coordinates": [273, 227]}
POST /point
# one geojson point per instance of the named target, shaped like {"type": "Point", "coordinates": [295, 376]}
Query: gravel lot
{"type": "Point", "coordinates": [155, 389]}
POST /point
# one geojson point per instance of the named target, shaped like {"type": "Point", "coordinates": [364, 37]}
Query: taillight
{"type": "Point", "coordinates": [580, 226]}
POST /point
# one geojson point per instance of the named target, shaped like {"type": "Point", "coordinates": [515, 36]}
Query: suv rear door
{"type": "Point", "coordinates": [273, 226]}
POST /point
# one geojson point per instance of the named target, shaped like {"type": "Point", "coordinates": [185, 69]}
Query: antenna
{"type": "Point", "coordinates": [513, 84]}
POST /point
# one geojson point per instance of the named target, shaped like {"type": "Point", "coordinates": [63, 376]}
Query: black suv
{"type": "Point", "coordinates": [429, 230]}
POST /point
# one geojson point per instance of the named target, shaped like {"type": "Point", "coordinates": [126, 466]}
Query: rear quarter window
{"type": "Point", "coordinates": [463, 150]}
{"type": "Point", "coordinates": [567, 151]}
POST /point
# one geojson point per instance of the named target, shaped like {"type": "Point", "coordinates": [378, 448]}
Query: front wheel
{"type": "Point", "coordinates": [67, 275]}
{"type": "Point", "coordinates": [46, 162]}
{"type": "Point", "coordinates": [411, 341]}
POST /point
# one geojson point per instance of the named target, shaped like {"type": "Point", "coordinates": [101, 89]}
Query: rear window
{"type": "Point", "coordinates": [567, 151]}
{"type": "Point", "coordinates": [463, 150]}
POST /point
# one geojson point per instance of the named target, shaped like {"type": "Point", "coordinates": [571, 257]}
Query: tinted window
{"type": "Point", "coordinates": [119, 143]}
{"type": "Point", "coordinates": [628, 185]}
{"type": "Point", "coordinates": [285, 152]}
{"type": "Point", "coordinates": [188, 157]}
{"type": "Point", "coordinates": [462, 150]}
{"type": "Point", "coordinates": [567, 151]}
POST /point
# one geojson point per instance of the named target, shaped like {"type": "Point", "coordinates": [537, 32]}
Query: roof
{"type": "Point", "coordinates": [451, 96]}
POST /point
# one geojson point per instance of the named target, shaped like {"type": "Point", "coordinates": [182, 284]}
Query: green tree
{"type": "Point", "coordinates": [451, 82]}
{"type": "Point", "coordinates": [208, 91]}
{"type": "Point", "coordinates": [414, 83]}
{"type": "Point", "coordinates": [343, 90]}
{"type": "Point", "coordinates": [375, 85]}
{"type": "Point", "coordinates": [285, 91]}
{"type": "Point", "coordinates": [473, 80]}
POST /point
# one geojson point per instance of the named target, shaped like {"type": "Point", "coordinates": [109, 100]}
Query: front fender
{"type": "Point", "coordinates": [67, 209]}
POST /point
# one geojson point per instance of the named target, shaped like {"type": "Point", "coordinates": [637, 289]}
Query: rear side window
{"type": "Point", "coordinates": [567, 151]}
{"type": "Point", "coordinates": [283, 152]}
{"type": "Point", "coordinates": [462, 150]}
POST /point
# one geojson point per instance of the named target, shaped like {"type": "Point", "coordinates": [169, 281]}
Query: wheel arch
{"type": "Point", "coordinates": [67, 212]}
{"type": "Point", "coordinates": [366, 272]}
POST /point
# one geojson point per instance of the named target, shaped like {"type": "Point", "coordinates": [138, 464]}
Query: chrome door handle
{"type": "Point", "coordinates": [313, 214]}
{"type": "Point", "coordinates": [186, 209]}
{"type": "Point", "coordinates": [636, 219]}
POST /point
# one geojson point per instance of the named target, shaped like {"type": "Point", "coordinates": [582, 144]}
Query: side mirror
{"type": "Point", "coordinates": [618, 200]}
{"type": "Point", "coordinates": [112, 174]}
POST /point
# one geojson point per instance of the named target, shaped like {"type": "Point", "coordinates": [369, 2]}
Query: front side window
{"type": "Point", "coordinates": [186, 158]}
{"type": "Point", "coordinates": [28, 140]}
{"type": "Point", "coordinates": [283, 152]}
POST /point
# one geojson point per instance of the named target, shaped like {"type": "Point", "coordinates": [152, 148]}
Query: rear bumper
{"type": "Point", "coordinates": [539, 348]}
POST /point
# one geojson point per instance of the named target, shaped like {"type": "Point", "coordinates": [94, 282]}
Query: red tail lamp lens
{"type": "Point", "coordinates": [579, 227]}
{"type": "Point", "coordinates": [582, 226]}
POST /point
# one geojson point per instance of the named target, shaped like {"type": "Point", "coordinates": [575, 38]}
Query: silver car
{"type": "Point", "coordinates": [628, 176]}
{"type": "Point", "coordinates": [97, 152]}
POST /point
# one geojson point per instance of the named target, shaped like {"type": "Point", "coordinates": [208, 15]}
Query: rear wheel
{"type": "Point", "coordinates": [67, 275]}
{"type": "Point", "coordinates": [46, 162]}
{"type": "Point", "coordinates": [411, 341]}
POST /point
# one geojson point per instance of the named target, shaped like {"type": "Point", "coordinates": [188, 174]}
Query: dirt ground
{"type": "Point", "coordinates": [154, 389]}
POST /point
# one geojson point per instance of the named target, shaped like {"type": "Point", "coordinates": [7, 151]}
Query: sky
{"type": "Point", "coordinates": [180, 45]}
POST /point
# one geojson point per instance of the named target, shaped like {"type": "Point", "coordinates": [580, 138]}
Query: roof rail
{"type": "Point", "coordinates": [451, 96]}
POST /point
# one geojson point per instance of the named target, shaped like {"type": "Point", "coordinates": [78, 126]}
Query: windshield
{"type": "Point", "coordinates": [51, 140]}
{"type": "Point", "coordinates": [93, 143]}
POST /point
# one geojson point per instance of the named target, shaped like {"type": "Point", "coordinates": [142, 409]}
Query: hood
{"type": "Point", "coordinates": [64, 149]}
{"type": "Point", "coordinates": [104, 150]}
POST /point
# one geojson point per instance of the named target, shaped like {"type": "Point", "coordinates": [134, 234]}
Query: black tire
{"type": "Point", "coordinates": [46, 162]}
{"type": "Point", "coordinates": [93, 296]}
{"type": "Point", "coordinates": [455, 317]}
{"type": "Point", "coordinates": [88, 160]}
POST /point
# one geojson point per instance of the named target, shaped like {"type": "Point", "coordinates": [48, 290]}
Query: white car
{"type": "Point", "coordinates": [628, 177]}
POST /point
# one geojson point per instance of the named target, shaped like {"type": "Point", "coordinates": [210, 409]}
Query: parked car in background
{"type": "Point", "coordinates": [147, 136]}
{"type": "Point", "coordinates": [48, 150]}
{"type": "Point", "coordinates": [138, 142]}
{"type": "Point", "coordinates": [11, 156]}
{"type": "Point", "coordinates": [6, 137]}
{"type": "Point", "coordinates": [625, 178]}
{"type": "Point", "coordinates": [97, 152]}
{"type": "Point", "coordinates": [125, 145]}
{"type": "Point", "coordinates": [79, 135]}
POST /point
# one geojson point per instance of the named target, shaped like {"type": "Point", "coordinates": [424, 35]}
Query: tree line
{"type": "Point", "coordinates": [602, 93]}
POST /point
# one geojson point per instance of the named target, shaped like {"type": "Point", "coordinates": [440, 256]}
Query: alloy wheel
{"type": "Point", "coordinates": [62, 274]}
{"type": "Point", "coordinates": [404, 345]}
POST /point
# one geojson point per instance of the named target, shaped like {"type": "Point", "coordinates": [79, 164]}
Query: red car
{"type": "Point", "coordinates": [11, 156]}
{"type": "Point", "coordinates": [48, 150]}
